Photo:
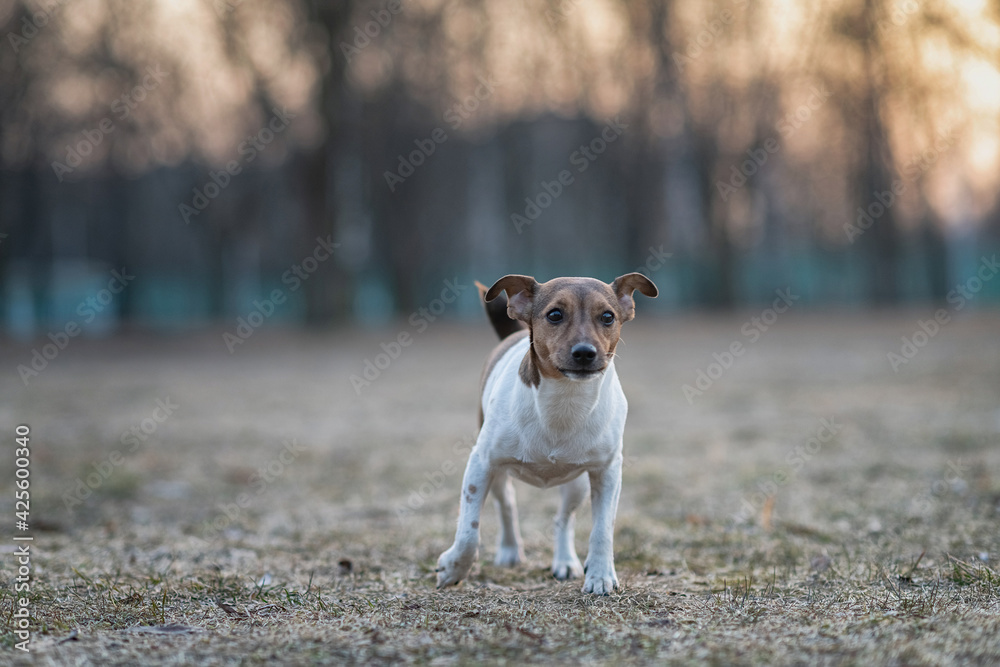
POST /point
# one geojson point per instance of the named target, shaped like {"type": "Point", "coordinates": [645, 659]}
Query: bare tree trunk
{"type": "Point", "coordinates": [328, 292]}
{"type": "Point", "coordinates": [881, 243]}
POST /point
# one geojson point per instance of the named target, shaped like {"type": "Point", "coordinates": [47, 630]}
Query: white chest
{"type": "Point", "coordinates": [548, 435]}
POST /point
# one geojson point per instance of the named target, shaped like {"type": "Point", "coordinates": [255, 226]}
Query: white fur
{"type": "Point", "coordinates": [562, 432]}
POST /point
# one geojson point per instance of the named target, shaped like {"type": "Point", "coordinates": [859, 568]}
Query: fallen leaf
{"type": "Point", "coordinates": [526, 633]}
{"type": "Point", "coordinates": [766, 512]}
{"type": "Point", "coordinates": [229, 609]}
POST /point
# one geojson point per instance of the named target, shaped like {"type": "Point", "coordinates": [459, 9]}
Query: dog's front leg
{"type": "Point", "coordinates": [605, 487]}
{"type": "Point", "coordinates": [455, 563]}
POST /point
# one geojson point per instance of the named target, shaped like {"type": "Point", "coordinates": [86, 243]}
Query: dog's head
{"type": "Point", "coordinates": [575, 323]}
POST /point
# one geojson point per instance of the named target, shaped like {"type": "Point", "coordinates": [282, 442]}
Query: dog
{"type": "Point", "coordinates": [552, 413]}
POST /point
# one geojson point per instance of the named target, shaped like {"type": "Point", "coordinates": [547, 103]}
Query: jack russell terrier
{"type": "Point", "coordinates": [552, 414]}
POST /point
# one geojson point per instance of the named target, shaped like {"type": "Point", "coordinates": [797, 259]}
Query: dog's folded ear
{"type": "Point", "coordinates": [521, 292]}
{"type": "Point", "coordinates": [623, 286]}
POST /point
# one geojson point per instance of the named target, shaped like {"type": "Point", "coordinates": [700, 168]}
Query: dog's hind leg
{"type": "Point", "coordinates": [565, 562]}
{"type": "Point", "coordinates": [510, 548]}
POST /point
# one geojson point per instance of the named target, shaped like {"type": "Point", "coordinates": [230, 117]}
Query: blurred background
{"type": "Point", "coordinates": [356, 155]}
{"type": "Point", "coordinates": [330, 177]}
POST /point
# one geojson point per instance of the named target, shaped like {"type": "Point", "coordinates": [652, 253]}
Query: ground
{"type": "Point", "coordinates": [811, 505]}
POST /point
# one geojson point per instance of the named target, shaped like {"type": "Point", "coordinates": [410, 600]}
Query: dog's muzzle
{"type": "Point", "coordinates": [583, 363]}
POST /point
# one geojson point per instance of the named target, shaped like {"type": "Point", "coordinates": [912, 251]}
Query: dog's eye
{"type": "Point", "coordinates": [554, 316]}
{"type": "Point", "coordinates": [607, 317]}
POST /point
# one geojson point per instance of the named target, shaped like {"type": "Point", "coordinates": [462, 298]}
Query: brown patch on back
{"type": "Point", "coordinates": [472, 488]}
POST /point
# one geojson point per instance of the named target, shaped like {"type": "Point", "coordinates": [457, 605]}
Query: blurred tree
{"type": "Point", "coordinates": [844, 145]}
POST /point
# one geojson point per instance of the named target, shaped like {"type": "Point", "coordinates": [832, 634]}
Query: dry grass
{"type": "Point", "coordinates": [883, 547]}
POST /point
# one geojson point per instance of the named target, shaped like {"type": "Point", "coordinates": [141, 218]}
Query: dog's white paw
{"type": "Point", "coordinates": [454, 565]}
{"type": "Point", "coordinates": [509, 556]}
{"type": "Point", "coordinates": [567, 568]}
{"type": "Point", "coordinates": [601, 578]}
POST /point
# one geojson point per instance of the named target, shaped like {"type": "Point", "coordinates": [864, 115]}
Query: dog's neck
{"type": "Point", "coordinates": [565, 405]}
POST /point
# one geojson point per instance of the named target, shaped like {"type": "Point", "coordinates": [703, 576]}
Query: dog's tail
{"type": "Point", "coordinates": [497, 312]}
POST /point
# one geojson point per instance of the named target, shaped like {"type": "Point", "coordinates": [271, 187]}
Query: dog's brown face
{"type": "Point", "coordinates": [575, 323]}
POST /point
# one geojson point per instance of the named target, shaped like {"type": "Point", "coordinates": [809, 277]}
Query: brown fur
{"type": "Point", "coordinates": [496, 309]}
{"type": "Point", "coordinates": [582, 301]}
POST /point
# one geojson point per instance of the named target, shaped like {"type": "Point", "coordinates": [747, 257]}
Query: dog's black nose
{"type": "Point", "coordinates": [584, 353]}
